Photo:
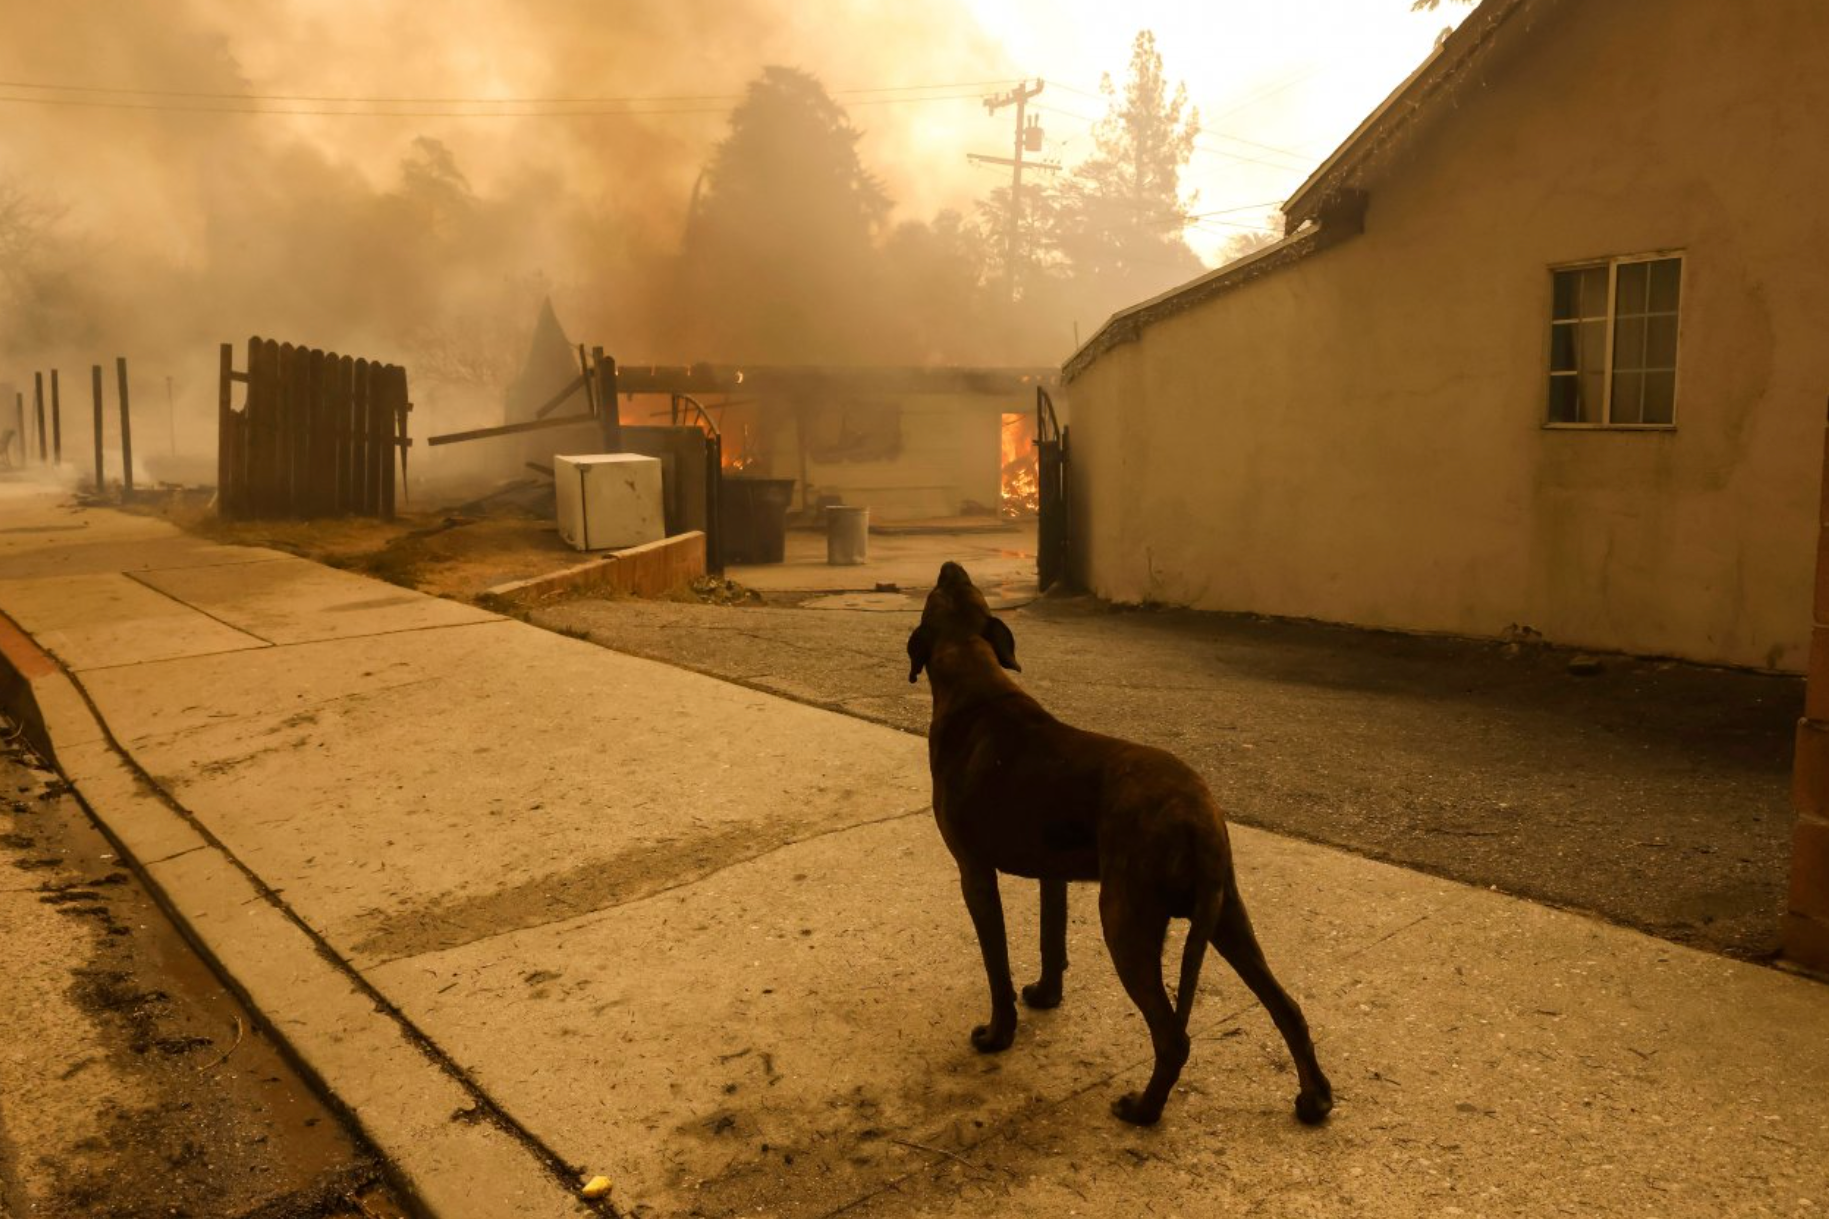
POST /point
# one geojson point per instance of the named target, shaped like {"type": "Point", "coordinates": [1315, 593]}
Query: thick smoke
{"type": "Point", "coordinates": [420, 237]}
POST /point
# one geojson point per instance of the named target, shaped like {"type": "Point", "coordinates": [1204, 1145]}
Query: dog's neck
{"type": "Point", "coordinates": [965, 674]}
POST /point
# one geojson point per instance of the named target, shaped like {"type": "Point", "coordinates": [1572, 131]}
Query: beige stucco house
{"type": "Point", "coordinates": [1548, 345]}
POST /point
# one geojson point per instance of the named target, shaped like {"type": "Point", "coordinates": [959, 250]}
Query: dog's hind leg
{"type": "Point", "coordinates": [1237, 943]}
{"type": "Point", "coordinates": [1134, 932]}
{"type": "Point", "coordinates": [986, 906]}
{"type": "Point", "coordinates": [1046, 992]}
{"type": "Point", "coordinates": [1201, 925]}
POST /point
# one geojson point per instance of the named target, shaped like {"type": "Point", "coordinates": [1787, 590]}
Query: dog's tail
{"type": "Point", "coordinates": [1201, 925]}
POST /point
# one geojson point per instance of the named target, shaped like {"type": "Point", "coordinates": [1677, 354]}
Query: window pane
{"type": "Point", "coordinates": [1591, 351]}
{"type": "Point", "coordinates": [1594, 292]}
{"type": "Point", "coordinates": [1592, 400]}
{"type": "Point", "coordinates": [1660, 397]}
{"type": "Point", "coordinates": [1665, 276]}
{"type": "Point", "coordinates": [1562, 348]}
{"type": "Point", "coordinates": [1633, 278]}
{"type": "Point", "coordinates": [1566, 295]}
{"type": "Point", "coordinates": [1629, 343]}
{"type": "Point", "coordinates": [1626, 390]}
{"type": "Point", "coordinates": [1661, 342]}
{"type": "Point", "coordinates": [1563, 408]}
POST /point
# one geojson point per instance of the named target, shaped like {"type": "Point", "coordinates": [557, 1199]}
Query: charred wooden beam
{"type": "Point", "coordinates": [510, 429]}
{"type": "Point", "coordinates": [815, 379]}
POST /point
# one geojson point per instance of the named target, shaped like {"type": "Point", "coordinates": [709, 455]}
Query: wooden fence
{"type": "Point", "coordinates": [317, 436]}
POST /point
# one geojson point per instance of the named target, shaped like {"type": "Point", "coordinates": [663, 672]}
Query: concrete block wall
{"type": "Point", "coordinates": [1806, 922]}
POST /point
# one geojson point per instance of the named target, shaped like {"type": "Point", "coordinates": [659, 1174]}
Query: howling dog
{"type": "Point", "coordinates": [1017, 791]}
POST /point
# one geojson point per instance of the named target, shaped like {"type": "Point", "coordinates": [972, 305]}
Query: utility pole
{"type": "Point", "coordinates": [1029, 139]}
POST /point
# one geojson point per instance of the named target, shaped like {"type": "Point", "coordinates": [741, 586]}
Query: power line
{"type": "Point", "coordinates": [1209, 150]}
{"type": "Point", "coordinates": [462, 101]}
{"type": "Point", "coordinates": [1249, 228]}
{"type": "Point", "coordinates": [1223, 135]}
{"type": "Point", "coordinates": [161, 107]}
{"type": "Point", "coordinates": [1227, 211]}
{"type": "Point", "coordinates": [1239, 156]}
{"type": "Point", "coordinates": [1265, 95]}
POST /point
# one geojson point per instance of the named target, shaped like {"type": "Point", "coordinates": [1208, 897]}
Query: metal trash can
{"type": "Point", "coordinates": [752, 514]}
{"type": "Point", "coordinates": [847, 535]}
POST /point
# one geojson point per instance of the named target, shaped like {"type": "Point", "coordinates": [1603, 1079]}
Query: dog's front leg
{"type": "Point", "coordinates": [1046, 992]}
{"type": "Point", "coordinates": [986, 906]}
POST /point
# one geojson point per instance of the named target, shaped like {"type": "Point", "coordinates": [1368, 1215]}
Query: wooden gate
{"type": "Point", "coordinates": [1051, 472]}
{"type": "Point", "coordinates": [316, 437]}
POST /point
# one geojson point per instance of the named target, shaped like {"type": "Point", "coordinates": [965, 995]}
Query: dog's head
{"type": "Point", "coordinates": [956, 614]}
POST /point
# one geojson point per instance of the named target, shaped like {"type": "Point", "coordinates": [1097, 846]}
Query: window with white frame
{"type": "Point", "coordinates": [1613, 342]}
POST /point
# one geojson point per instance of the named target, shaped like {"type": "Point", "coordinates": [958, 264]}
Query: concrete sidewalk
{"type": "Point", "coordinates": [534, 909]}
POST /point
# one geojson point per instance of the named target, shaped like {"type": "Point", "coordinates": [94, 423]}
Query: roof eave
{"type": "Point", "coordinates": [1444, 62]}
{"type": "Point", "coordinates": [1126, 324]}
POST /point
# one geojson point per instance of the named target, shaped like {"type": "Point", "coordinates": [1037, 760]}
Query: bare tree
{"type": "Point", "coordinates": [41, 296]}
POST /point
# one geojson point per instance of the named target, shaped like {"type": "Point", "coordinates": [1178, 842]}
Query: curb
{"type": "Point", "coordinates": [651, 570]}
{"type": "Point", "coordinates": [22, 665]}
{"type": "Point", "coordinates": [448, 1147]}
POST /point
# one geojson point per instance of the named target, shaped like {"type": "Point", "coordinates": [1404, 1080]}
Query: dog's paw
{"type": "Point", "coordinates": [1042, 996]}
{"type": "Point", "coordinates": [990, 1039]}
{"type": "Point", "coordinates": [1132, 1108]}
{"type": "Point", "coordinates": [1312, 1108]}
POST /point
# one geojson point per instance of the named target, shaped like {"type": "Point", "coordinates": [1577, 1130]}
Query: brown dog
{"type": "Point", "coordinates": [1017, 791]}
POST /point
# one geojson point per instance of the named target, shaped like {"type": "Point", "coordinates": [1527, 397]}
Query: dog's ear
{"type": "Point", "coordinates": [920, 648]}
{"type": "Point", "coordinates": [1002, 642]}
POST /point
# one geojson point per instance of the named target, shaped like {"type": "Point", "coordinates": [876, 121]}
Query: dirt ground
{"type": "Point", "coordinates": [453, 552]}
{"type": "Point", "coordinates": [131, 1082]}
{"type": "Point", "coordinates": [1652, 793]}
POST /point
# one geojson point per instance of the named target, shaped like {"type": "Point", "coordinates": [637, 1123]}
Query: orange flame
{"type": "Point", "coordinates": [1021, 490]}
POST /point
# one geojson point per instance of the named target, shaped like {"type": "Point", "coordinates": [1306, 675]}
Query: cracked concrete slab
{"type": "Point", "coordinates": [290, 600]}
{"type": "Point", "coordinates": [108, 618]}
{"type": "Point", "coordinates": [21, 560]}
{"type": "Point", "coordinates": [577, 778]}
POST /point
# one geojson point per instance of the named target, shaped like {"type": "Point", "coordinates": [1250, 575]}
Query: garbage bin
{"type": "Point", "coordinates": [752, 514]}
{"type": "Point", "coordinates": [847, 535]}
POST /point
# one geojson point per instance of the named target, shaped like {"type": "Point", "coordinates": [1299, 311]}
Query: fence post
{"type": "Point", "coordinates": [388, 431]}
{"type": "Point", "coordinates": [359, 500]}
{"type": "Point", "coordinates": [19, 403]}
{"type": "Point", "coordinates": [120, 368]}
{"type": "Point", "coordinates": [38, 413]}
{"type": "Point", "coordinates": [95, 389]}
{"type": "Point", "coordinates": [341, 413]}
{"type": "Point", "coordinates": [609, 417]}
{"type": "Point", "coordinates": [291, 392]}
{"type": "Point", "coordinates": [57, 426]}
{"type": "Point", "coordinates": [263, 423]}
{"type": "Point", "coordinates": [714, 505]}
{"type": "Point", "coordinates": [225, 419]}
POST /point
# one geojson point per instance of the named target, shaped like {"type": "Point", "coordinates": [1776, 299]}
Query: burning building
{"type": "Point", "coordinates": [910, 443]}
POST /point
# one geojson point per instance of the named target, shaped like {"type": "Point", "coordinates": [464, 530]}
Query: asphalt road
{"type": "Point", "coordinates": [1652, 793]}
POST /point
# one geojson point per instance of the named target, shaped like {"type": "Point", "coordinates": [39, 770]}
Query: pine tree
{"type": "Point", "coordinates": [779, 257]}
{"type": "Point", "coordinates": [1122, 213]}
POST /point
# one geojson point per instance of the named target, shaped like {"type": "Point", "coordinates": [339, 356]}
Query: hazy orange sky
{"type": "Point", "coordinates": [1277, 84]}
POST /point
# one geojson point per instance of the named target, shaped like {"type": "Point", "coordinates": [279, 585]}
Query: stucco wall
{"type": "Point", "coordinates": [1359, 437]}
